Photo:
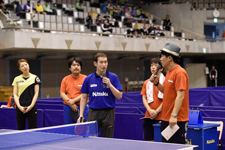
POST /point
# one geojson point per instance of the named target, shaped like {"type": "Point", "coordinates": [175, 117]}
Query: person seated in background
{"type": "Point", "coordinates": [144, 30]}
{"type": "Point", "coordinates": [109, 5]}
{"type": "Point", "coordinates": [104, 6]}
{"type": "Point", "coordinates": [46, 8]}
{"type": "Point", "coordinates": [126, 5]}
{"type": "Point", "coordinates": [19, 9]}
{"type": "Point", "coordinates": [139, 11]}
{"type": "Point", "coordinates": [151, 30]}
{"type": "Point", "coordinates": [39, 8]}
{"type": "Point", "coordinates": [167, 23]}
{"type": "Point", "coordinates": [218, 7]}
{"type": "Point", "coordinates": [89, 21]}
{"type": "Point", "coordinates": [27, 7]}
{"type": "Point", "coordinates": [79, 6]}
{"type": "Point", "coordinates": [127, 13]}
{"type": "Point", "coordinates": [134, 12]}
{"type": "Point", "coordinates": [209, 7]}
{"type": "Point", "coordinates": [3, 8]}
{"type": "Point", "coordinates": [194, 7]}
{"type": "Point", "coordinates": [11, 103]}
{"type": "Point", "coordinates": [106, 27]}
{"type": "Point", "coordinates": [99, 20]}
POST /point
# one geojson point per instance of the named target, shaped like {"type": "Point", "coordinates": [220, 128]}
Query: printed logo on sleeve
{"type": "Point", "coordinates": [93, 85]}
{"type": "Point", "coordinates": [38, 80]}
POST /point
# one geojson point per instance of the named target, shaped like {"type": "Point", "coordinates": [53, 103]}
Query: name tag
{"type": "Point", "coordinates": [93, 85]}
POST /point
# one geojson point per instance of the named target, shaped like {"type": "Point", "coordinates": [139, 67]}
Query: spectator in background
{"type": "Point", "coordinates": [213, 77]}
{"type": "Point", "coordinates": [194, 7]}
{"type": "Point", "coordinates": [144, 30]}
{"type": "Point", "coordinates": [104, 6]}
{"type": "Point", "coordinates": [218, 7]}
{"type": "Point", "coordinates": [99, 20]}
{"type": "Point", "coordinates": [223, 35]}
{"type": "Point", "coordinates": [134, 12]}
{"type": "Point", "coordinates": [46, 8]}
{"type": "Point", "coordinates": [209, 7]}
{"type": "Point", "coordinates": [27, 7]}
{"type": "Point", "coordinates": [127, 12]}
{"type": "Point", "coordinates": [167, 23]}
{"type": "Point", "coordinates": [79, 6]}
{"type": "Point", "coordinates": [139, 11]}
{"type": "Point", "coordinates": [3, 8]}
{"type": "Point", "coordinates": [18, 8]}
{"type": "Point", "coordinates": [126, 5]}
{"type": "Point", "coordinates": [39, 8]}
{"type": "Point", "coordinates": [151, 30]}
{"type": "Point", "coordinates": [106, 27]}
{"type": "Point", "coordinates": [11, 103]}
{"type": "Point", "coordinates": [109, 6]}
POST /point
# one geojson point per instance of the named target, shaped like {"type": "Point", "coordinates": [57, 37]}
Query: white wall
{"type": "Point", "coordinates": [196, 74]}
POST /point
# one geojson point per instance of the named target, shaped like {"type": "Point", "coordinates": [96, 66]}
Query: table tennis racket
{"type": "Point", "coordinates": [74, 114]}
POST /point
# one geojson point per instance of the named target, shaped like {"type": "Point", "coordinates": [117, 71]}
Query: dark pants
{"type": "Point", "coordinates": [179, 136]}
{"type": "Point", "coordinates": [212, 83]}
{"type": "Point", "coordinates": [31, 117]}
{"type": "Point", "coordinates": [148, 129]}
{"type": "Point", "coordinates": [105, 118]}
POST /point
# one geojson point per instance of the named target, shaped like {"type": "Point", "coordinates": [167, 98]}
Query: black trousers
{"type": "Point", "coordinates": [105, 118]}
{"type": "Point", "coordinates": [31, 117]}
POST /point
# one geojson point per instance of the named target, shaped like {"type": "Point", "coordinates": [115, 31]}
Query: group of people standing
{"type": "Point", "coordinates": [165, 98]}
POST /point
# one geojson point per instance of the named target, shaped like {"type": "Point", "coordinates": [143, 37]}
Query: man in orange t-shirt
{"type": "Point", "coordinates": [175, 107]}
{"type": "Point", "coordinates": [70, 90]}
{"type": "Point", "coordinates": [152, 100]}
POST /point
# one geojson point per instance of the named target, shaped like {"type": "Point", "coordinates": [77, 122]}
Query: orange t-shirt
{"type": "Point", "coordinates": [71, 86]}
{"type": "Point", "coordinates": [176, 80]}
{"type": "Point", "coordinates": [157, 101]}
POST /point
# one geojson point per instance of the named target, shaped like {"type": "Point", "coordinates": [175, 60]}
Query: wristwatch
{"type": "Point", "coordinates": [157, 84]}
{"type": "Point", "coordinates": [175, 116]}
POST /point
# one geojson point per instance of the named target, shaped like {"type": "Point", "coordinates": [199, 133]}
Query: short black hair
{"type": "Point", "coordinates": [38, 1]}
{"type": "Point", "coordinates": [99, 55]}
{"type": "Point", "coordinates": [76, 59]}
{"type": "Point", "coordinates": [175, 58]}
{"type": "Point", "coordinates": [155, 60]}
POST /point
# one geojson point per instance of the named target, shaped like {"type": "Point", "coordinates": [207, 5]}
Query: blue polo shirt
{"type": "Point", "coordinates": [100, 97]}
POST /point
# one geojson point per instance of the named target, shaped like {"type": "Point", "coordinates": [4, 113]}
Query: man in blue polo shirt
{"type": "Point", "coordinates": [102, 87]}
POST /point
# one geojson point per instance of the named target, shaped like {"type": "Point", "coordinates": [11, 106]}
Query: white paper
{"type": "Point", "coordinates": [168, 132]}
